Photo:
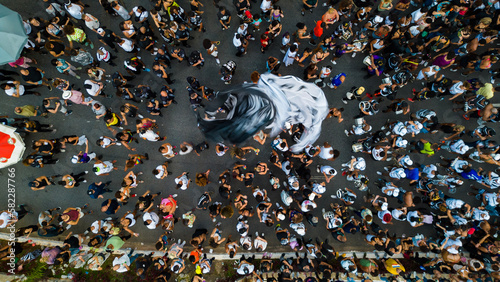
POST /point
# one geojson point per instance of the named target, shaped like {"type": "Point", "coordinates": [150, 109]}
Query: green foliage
{"type": "Point", "coordinates": [37, 273]}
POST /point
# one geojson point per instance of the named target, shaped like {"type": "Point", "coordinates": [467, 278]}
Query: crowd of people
{"type": "Point", "coordinates": [403, 43]}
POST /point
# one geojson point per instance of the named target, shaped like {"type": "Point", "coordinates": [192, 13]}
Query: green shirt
{"type": "Point", "coordinates": [76, 36]}
{"type": "Point", "coordinates": [427, 149]}
{"type": "Point", "coordinates": [116, 241]}
{"type": "Point", "coordinates": [27, 111]}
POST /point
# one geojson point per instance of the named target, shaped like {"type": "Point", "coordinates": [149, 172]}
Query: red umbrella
{"type": "Point", "coordinates": [11, 146]}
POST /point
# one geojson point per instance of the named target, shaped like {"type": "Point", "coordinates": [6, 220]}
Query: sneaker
{"type": "Point", "coordinates": [174, 195]}
{"type": "Point", "coordinates": [333, 196]}
{"type": "Point", "coordinates": [302, 13]}
{"type": "Point", "coordinates": [77, 76]}
{"type": "Point", "coordinates": [379, 173]}
{"type": "Point", "coordinates": [353, 54]}
{"type": "Point", "coordinates": [344, 101]}
{"type": "Point", "coordinates": [84, 181]}
{"type": "Point", "coordinates": [68, 113]}
{"type": "Point", "coordinates": [333, 62]}
{"type": "Point", "coordinates": [140, 116]}
{"type": "Point", "coordinates": [49, 87]}
{"type": "Point", "coordinates": [317, 169]}
{"type": "Point", "coordinates": [325, 4]}
{"type": "Point", "coordinates": [346, 132]}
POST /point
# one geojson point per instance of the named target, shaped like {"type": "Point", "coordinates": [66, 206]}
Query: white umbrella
{"type": "Point", "coordinates": [11, 146]}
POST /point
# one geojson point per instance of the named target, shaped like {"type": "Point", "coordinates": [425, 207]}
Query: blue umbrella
{"type": "Point", "coordinates": [12, 34]}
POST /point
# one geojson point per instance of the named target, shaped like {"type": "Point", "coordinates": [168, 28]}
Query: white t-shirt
{"type": "Point", "coordinates": [105, 141]}
{"type": "Point", "coordinates": [328, 170]}
{"type": "Point", "coordinates": [360, 164]}
{"type": "Point", "coordinates": [154, 219]}
{"type": "Point", "coordinates": [405, 161]}
{"type": "Point", "coordinates": [236, 41]}
{"type": "Point", "coordinates": [396, 214]}
{"type": "Point", "coordinates": [95, 87]}
{"type": "Point", "coordinates": [184, 179]}
{"type": "Point", "coordinates": [397, 173]}
{"type": "Point", "coordinates": [96, 226]}
{"type": "Point", "coordinates": [74, 10]}
{"type": "Point", "coordinates": [13, 90]}
{"type": "Point", "coordinates": [318, 188]}
{"type": "Point", "coordinates": [400, 142]}
{"type": "Point", "coordinates": [128, 45]}
{"type": "Point", "coordinates": [455, 88]}
{"type": "Point", "coordinates": [425, 113]}
{"type": "Point", "coordinates": [416, 15]}
{"type": "Point", "coordinates": [411, 214]}
{"type": "Point", "coordinates": [105, 57]}
{"type": "Point", "coordinates": [246, 241]}
{"type": "Point", "coordinates": [326, 153]}
{"type": "Point", "coordinates": [457, 165]}
{"type": "Point", "coordinates": [477, 215]}
{"type": "Point", "coordinates": [494, 183]}
{"type": "Point", "coordinates": [104, 167]}
{"type": "Point", "coordinates": [122, 261]}
{"type": "Point", "coordinates": [265, 5]}
{"type": "Point", "coordinates": [429, 169]}
{"type": "Point", "coordinates": [459, 147]}
{"type": "Point", "coordinates": [492, 199]}
{"type": "Point", "coordinates": [140, 15]}
{"type": "Point", "coordinates": [161, 171]}
{"type": "Point", "coordinates": [399, 129]}
{"type": "Point", "coordinates": [150, 135]}
{"type": "Point", "coordinates": [243, 266]}
{"type": "Point", "coordinates": [346, 264]}
{"type": "Point", "coordinates": [260, 243]}
{"type": "Point", "coordinates": [454, 203]}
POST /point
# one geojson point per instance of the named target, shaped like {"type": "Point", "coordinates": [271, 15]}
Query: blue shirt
{"type": "Point", "coordinates": [472, 174]}
{"type": "Point", "coordinates": [95, 190]}
{"type": "Point", "coordinates": [336, 80]}
{"type": "Point", "coordinates": [412, 174]}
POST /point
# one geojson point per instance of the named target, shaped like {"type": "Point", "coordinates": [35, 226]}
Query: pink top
{"type": "Point", "coordinates": [18, 62]}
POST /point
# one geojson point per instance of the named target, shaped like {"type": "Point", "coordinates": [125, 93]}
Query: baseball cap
{"type": "Point", "coordinates": [99, 30]}
{"type": "Point", "coordinates": [384, 207]}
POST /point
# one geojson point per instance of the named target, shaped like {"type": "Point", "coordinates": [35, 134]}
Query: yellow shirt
{"type": "Point", "coordinates": [391, 265]}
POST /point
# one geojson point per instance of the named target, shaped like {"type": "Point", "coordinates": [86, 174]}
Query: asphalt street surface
{"type": "Point", "coordinates": [179, 124]}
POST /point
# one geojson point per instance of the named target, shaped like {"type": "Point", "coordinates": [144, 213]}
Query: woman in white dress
{"type": "Point", "coordinates": [291, 54]}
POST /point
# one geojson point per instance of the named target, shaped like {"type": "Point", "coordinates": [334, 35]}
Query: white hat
{"type": "Point", "coordinates": [408, 161]}
{"type": "Point", "coordinates": [378, 19]}
{"type": "Point", "coordinates": [384, 206]}
{"type": "Point", "coordinates": [74, 159]}
{"type": "Point", "coordinates": [66, 94]}
{"type": "Point", "coordinates": [395, 193]}
{"type": "Point", "coordinates": [99, 30]}
{"type": "Point", "coordinates": [281, 216]}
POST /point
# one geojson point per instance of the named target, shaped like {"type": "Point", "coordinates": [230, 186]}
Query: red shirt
{"type": "Point", "coordinates": [73, 215]}
{"type": "Point", "coordinates": [265, 42]}
{"type": "Point", "coordinates": [318, 30]}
